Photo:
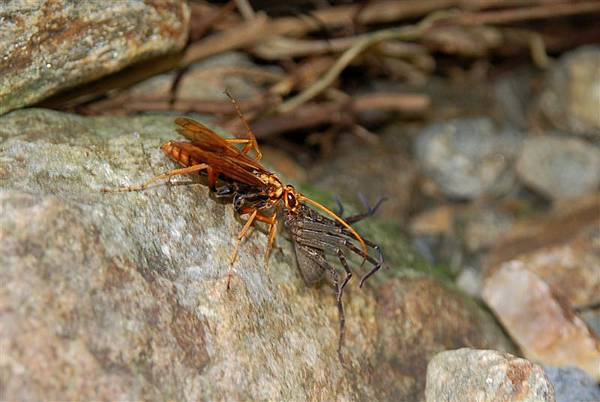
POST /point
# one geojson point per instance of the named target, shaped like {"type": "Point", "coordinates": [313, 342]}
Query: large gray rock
{"type": "Point", "coordinates": [485, 375]}
{"type": "Point", "coordinates": [374, 170]}
{"type": "Point", "coordinates": [47, 45]}
{"type": "Point", "coordinates": [572, 384]}
{"type": "Point", "coordinates": [468, 158]}
{"type": "Point", "coordinates": [559, 167]}
{"type": "Point", "coordinates": [571, 98]}
{"type": "Point", "coordinates": [123, 297]}
{"type": "Point", "coordinates": [546, 328]}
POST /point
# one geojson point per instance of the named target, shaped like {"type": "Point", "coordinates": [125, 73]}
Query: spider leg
{"type": "Point", "coordinates": [340, 206]}
{"type": "Point", "coordinates": [317, 255]}
{"type": "Point", "coordinates": [368, 213]}
{"type": "Point", "coordinates": [333, 242]}
{"type": "Point", "coordinates": [344, 262]}
{"type": "Point", "coordinates": [376, 264]}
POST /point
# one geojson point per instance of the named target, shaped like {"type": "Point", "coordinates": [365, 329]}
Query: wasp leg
{"type": "Point", "coordinates": [143, 186]}
{"type": "Point", "coordinates": [272, 233]}
{"type": "Point", "coordinates": [237, 246]}
{"type": "Point", "coordinates": [254, 215]}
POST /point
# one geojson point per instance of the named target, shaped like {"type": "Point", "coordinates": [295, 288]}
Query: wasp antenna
{"type": "Point", "coordinates": [249, 132]}
{"type": "Point", "coordinates": [337, 218]}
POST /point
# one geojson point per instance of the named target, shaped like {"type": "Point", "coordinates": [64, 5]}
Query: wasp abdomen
{"type": "Point", "coordinates": [178, 154]}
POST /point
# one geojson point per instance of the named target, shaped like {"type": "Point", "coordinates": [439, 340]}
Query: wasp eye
{"type": "Point", "coordinates": [291, 200]}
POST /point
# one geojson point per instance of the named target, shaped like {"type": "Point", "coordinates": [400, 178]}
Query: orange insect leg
{"type": "Point", "coordinates": [254, 216]}
{"type": "Point", "coordinates": [171, 173]}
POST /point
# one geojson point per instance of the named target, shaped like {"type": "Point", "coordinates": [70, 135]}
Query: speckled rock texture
{"type": "Point", "coordinates": [559, 167]}
{"type": "Point", "coordinates": [376, 170]}
{"type": "Point", "coordinates": [468, 158]}
{"type": "Point", "coordinates": [572, 384]}
{"type": "Point", "coordinates": [485, 376]}
{"type": "Point", "coordinates": [50, 45]}
{"type": "Point", "coordinates": [122, 296]}
{"type": "Point", "coordinates": [571, 99]}
{"type": "Point", "coordinates": [546, 328]}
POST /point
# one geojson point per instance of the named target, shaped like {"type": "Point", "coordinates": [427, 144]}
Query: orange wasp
{"type": "Point", "coordinates": [218, 157]}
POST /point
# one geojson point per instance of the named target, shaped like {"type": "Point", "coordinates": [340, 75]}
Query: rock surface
{"type": "Point", "coordinates": [413, 326]}
{"type": "Point", "coordinates": [591, 316]}
{"type": "Point", "coordinates": [544, 326]}
{"type": "Point", "coordinates": [547, 267]}
{"type": "Point", "coordinates": [48, 45]}
{"type": "Point", "coordinates": [468, 158]}
{"type": "Point", "coordinates": [572, 384]}
{"type": "Point", "coordinates": [562, 248]}
{"type": "Point", "coordinates": [485, 375]}
{"type": "Point", "coordinates": [374, 170]}
{"type": "Point", "coordinates": [122, 296]}
{"type": "Point", "coordinates": [558, 167]}
{"type": "Point", "coordinates": [204, 80]}
{"type": "Point", "coordinates": [481, 226]}
{"type": "Point", "coordinates": [571, 99]}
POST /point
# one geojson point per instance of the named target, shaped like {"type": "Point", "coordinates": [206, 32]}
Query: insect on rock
{"type": "Point", "coordinates": [262, 196]}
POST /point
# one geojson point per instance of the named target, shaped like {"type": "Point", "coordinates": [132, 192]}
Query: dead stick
{"type": "Point", "coordinates": [235, 38]}
{"type": "Point", "coordinates": [527, 14]}
{"type": "Point", "coordinates": [311, 115]}
{"type": "Point", "coordinates": [373, 12]}
{"type": "Point", "coordinates": [402, 33]}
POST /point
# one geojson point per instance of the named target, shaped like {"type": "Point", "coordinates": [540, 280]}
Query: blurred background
{"type": "Point", "coordinates": [477, 120]}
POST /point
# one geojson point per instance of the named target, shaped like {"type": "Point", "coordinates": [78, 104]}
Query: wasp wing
{"type": "Point", "coordinates": [228, 166]}
{"type": "Point", "coordinates": [209, 141]}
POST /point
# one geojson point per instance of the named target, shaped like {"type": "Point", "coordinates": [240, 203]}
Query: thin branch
{"type": "Point", "coordinates": [245, 9]}
{"type": "Point", "coordinates": [235, 38]}
{"type": "Point", "coordinates": [528, 14]}
{"type": "Point", "coordinates": [403, 33]}
{"type": "Point", "coordinates": [340, 112]}
{"type": "Point", "coordinates": [373, 12]}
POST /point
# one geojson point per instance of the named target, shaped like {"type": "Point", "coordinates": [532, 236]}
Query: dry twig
{"type": "Point", "coordinates": [403, 33]}
{"type": "Point", "coordinates": [340, 112]}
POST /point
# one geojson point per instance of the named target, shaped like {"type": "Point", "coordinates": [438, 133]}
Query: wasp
{"type": "Point", "coordinates": [262, 196]}
{"type": "Point", "coordinates": [218, 157]}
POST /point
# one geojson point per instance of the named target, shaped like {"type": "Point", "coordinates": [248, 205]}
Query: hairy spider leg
{"type": "Point", "coordinates": [376, 264]}
{"type": "Point", "coordinates": [315, 254]}
{"type": "Point", "coordinates": [327, 236]}
{"type": "Point", "coordinates": [337, 219]}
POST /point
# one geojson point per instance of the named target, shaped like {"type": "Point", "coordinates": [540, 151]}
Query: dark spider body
{"type": "Point", "coordinates": [314, 236]}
